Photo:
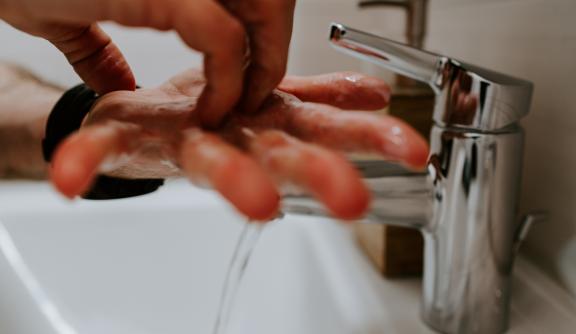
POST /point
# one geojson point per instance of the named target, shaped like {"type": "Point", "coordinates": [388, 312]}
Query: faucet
{"type": "Point", "coordinates": [466, 202]}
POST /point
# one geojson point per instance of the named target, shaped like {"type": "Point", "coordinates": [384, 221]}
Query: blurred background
{"type": "Point", "coordinates": [531, 39]}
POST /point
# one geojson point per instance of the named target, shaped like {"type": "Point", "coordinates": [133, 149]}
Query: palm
{"type": "Point", "coordinates": [156, 133]}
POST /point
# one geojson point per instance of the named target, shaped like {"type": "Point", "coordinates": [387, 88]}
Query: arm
{"type": "Point", "coordinates": [25, 103]}
{"type": "Point", "coordinates": [156, 133]}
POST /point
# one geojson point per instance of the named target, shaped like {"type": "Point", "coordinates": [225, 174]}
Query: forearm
{"type": "Point", "coordinates": [25, 103]}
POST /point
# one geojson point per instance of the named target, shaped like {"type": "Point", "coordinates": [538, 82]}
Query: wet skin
{"type": "Point", "coordinates": [298, 137]}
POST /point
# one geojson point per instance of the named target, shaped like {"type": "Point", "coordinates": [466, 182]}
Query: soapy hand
{"type": "Point", "coordinates": [295, 138]}
{"type": "Point", "coordinates": [232, 34]}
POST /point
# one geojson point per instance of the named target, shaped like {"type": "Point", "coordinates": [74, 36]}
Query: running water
{"type": "Point", "coordinates": [236, 269]}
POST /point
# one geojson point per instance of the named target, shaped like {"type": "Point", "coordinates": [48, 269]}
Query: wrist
{"type": "Point", "coordinates": [65, 119]}
{"type": "Point", "coordinates": [25, 103]}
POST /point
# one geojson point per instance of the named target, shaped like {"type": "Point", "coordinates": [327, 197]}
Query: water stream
{"type": "Point", "coordinates": [236, 269]}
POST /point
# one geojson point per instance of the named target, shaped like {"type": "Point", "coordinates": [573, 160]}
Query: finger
{"type": "Point", "coordinates": [204, 25]}
{"type": "Point", "coordinates": [358, 132]}
{"type": "Point", "coordinates": [345, 90]}
{"type": "Point", "coordinates": [325, 174]}
{"type": "Point", "coordinates": [79, 158]}
{"type": "Point", "coordinates": [205, 157]}
{"type": "Point", "coordinates": [95, 58]}
{"type": "Point", "coordinates": [207, 27]}
{"type": "Point", "coordinates": [269, 24]}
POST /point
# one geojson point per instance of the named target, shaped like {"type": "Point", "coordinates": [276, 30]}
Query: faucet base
{"type": "Point", "coordinates": [470, 240]}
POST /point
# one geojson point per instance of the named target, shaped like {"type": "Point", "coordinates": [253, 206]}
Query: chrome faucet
{"type": "Point", "coordinates": [466, 203]}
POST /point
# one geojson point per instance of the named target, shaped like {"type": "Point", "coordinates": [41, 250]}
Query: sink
{"type": "Point", "coordinates": [156, 265]}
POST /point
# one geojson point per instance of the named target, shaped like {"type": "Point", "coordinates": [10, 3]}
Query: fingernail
{"type": "Point", "coordinates": [395, 143]}
{"type": "Point", "coordinates": [409, 149]}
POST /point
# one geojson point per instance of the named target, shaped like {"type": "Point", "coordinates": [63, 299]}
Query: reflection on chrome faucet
{"type": "Point", "coordinates": [463, 101]}
{"type": "Point", "coordinates": [466, 203]}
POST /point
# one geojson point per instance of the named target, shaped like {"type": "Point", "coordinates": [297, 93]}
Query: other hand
{"type": "Point", "coordinates": [218, 28]}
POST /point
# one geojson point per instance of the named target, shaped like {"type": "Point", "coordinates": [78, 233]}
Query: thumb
{"type": "Point", "coordinates": [95, 58]}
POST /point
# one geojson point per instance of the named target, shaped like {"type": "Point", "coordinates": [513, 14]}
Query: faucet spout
{"type": "Point", "coordinates": [400, 197]}
{"type": "Point", "coordinates": [402, 59]}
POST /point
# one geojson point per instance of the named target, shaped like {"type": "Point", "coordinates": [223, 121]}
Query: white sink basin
{"type": "Point", "coordinates": [156, 265]}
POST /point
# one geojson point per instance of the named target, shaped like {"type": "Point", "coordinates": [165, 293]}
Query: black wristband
{"type": "Point", "coordinates": [66, 118]}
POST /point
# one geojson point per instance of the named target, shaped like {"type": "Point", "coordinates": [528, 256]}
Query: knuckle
{"type": "Point", "coordinates": [109, 105]}
{"type": "Point", "coordinates": [151, 13]}
{"type": "Point", "coordinates": [234, 32]}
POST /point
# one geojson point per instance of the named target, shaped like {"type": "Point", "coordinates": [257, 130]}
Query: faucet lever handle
{"type": "Point", "coordinates": [526, 225]}
{"type": "Point", "coordinates": [493, 100]}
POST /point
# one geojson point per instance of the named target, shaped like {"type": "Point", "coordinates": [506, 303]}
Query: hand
{"type": "Point", "coordinates": [155, 133]}
{"type": "Point", "coordinates": [218, 28]}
